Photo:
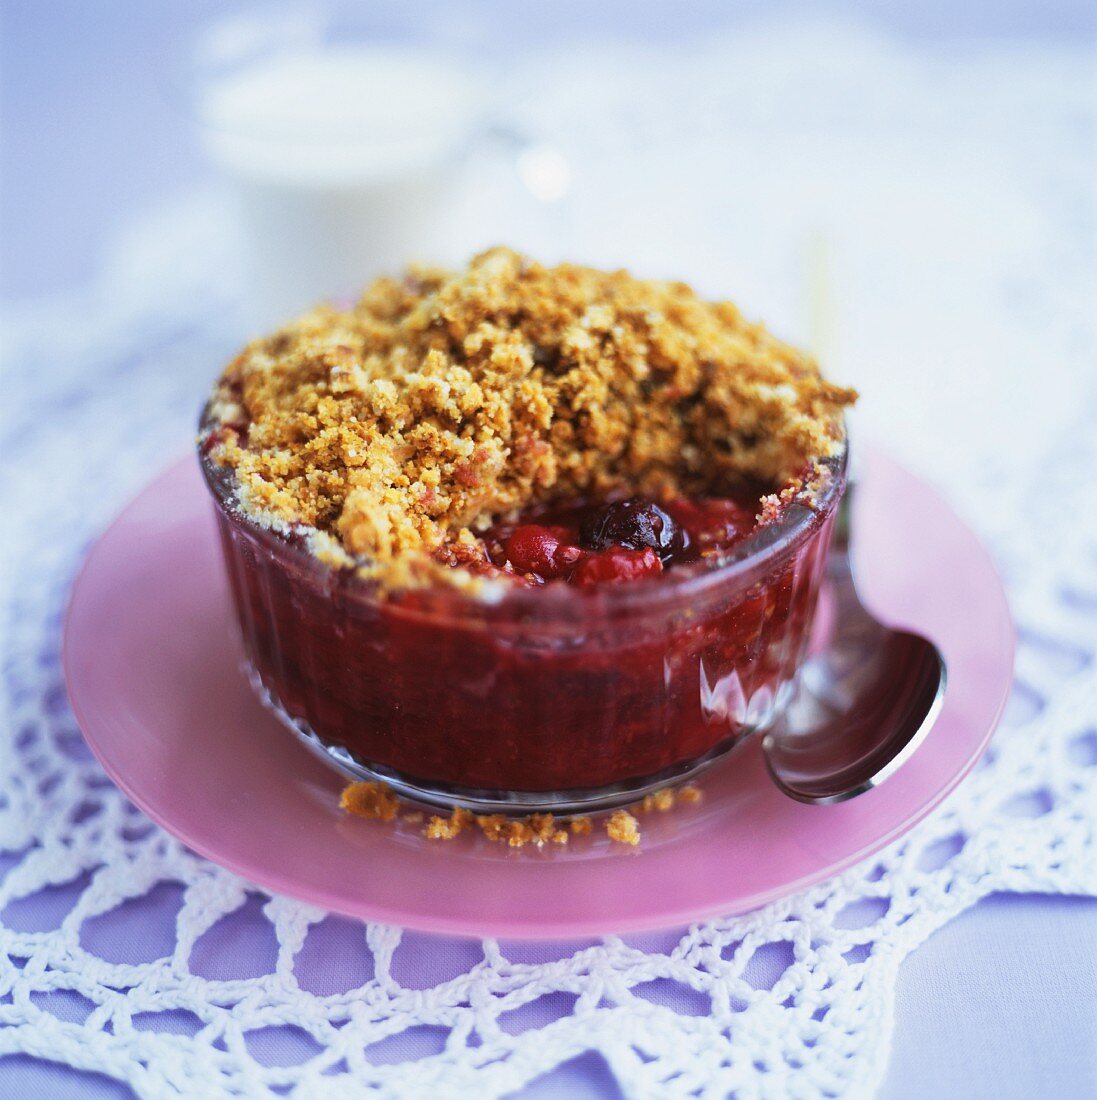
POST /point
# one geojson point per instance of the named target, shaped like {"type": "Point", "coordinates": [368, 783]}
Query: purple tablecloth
{"type": "Point", "coordinates": [966, 1024]}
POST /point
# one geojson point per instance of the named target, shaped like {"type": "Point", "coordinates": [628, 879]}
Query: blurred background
{"type": "Point", "coordinates": [86, 162]}
{"type": "Point", "coordinates": [95, 136]}
{"type": "Point", "coordinates": [905, 186]}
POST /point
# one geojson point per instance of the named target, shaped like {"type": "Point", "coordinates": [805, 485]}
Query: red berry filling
{"type": "Point", "coordinates": [502, 697]}
{"type": "Point", "coordinates": [623, 540]}
{"type": "Point", "coordinates": [616, 563]}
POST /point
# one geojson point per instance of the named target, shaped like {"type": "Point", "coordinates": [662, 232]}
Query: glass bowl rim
{"type": "Point", "coordinates": [747, 562]}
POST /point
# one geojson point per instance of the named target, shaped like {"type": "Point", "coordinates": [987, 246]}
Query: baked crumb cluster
{"type": "Point", "coordinates": [392, 432]}
{"type": "Point", "coordinates": [375, 800]}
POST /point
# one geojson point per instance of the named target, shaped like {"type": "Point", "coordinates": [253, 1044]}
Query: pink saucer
{"type": "Point", "coordinates": [152, 663]}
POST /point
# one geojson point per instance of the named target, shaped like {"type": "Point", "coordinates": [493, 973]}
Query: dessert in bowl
{"type": "Point", "coordinates": [524, 538]}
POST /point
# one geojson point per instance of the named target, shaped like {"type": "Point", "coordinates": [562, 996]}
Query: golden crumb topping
{"type": "Point", "coordinates": [441, 402]}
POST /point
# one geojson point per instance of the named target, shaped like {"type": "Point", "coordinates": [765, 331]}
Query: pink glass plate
{"type": "Point", "coordinates": [152, 664]}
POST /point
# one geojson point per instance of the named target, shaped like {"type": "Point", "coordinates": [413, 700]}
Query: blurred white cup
{"type": "Point", "coordinates": [343, 142]}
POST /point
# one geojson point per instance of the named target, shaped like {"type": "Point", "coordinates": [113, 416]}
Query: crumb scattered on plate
{"type": "Point", "coordinates": [374, 800]}
{"type": "Point", "coordinates": [668, 798]}
{"type": "Point", "coordinates": [623, 828]}
{"type": "Point", "coordinates": [377, 801]}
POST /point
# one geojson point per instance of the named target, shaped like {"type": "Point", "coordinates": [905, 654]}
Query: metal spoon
{"type": "Point", "coordinates": [863, 706]}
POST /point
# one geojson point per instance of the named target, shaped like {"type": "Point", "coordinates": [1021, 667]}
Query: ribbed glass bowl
{"type": "Point", "coordinates": [527, 699]}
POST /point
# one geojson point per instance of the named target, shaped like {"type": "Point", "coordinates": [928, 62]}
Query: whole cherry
{"type": "Point", "coordinates": [634, 524]}
{"type": "Point", "coordinates": [540, 550]}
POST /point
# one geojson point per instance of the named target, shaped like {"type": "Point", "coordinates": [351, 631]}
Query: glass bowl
{"type": "Point", "coordinates": [528, 699]}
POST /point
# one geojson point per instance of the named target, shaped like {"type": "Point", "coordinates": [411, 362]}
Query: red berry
{"type": "Point", "coordinates": [531, 547]}
{"type": "Point", "coordinates": [634, 524]}
{"type": "Point", "coordinates": [617, 564]}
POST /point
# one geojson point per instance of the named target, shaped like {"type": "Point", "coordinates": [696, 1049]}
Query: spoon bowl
{"type": "Point", "coordinates": [863, 705]}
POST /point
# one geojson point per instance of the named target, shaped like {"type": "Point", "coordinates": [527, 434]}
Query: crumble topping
{"type": "Point", "coordinates": [391, 432]}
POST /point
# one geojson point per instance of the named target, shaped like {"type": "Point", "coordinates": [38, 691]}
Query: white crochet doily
{"type": "Point", "coordinates": [960, 192]}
